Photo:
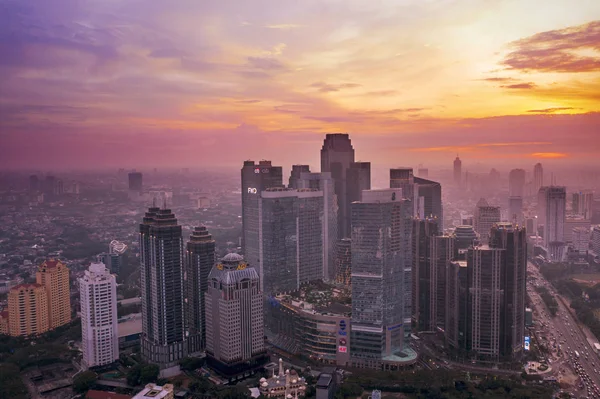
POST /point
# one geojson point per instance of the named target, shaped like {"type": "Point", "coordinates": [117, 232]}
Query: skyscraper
{"type": "Point", "coordinates": [403, 178]}
{"type": "Point", "coordinates": [199, 262]}
{"type": "Point", "coordinates": [34, 183]}
{"type": "Point", "coordinates": [442, 253]}
{"type": "Point", "coordinates": [429, 200]}
{"type": "Point", "coordinates": [381, 225]}
{"type": "Point", "coordinates": [135, 181]}
{"type": "Point", "coordinates": [583, 204]}
{"type": "Point", "coordinates": [234, 316]}
{"type": "Point", "coordinates": [514, 275]}
{"type": "Point", "coordinates": [114, 258]}
{"type": "Point", "coordinates": [336, 156]}
{"type": "Point", "coordinates": [27, 310]}
{"type": "Point", "coordinates": [99, 335]}
{"type": "Point", "coordinates": [485, 217]}
{"type": "Point", "coordinates": [538, 177]}
{"type": "Point", "coordinates": [297, 171]}
{"type": "Point", "coordinates": [54, 276]}
{"type": "Point", "coordinates": [423, 230]}
{"type": "Point", "coordinates": [358, 179]}
{"type": "Point", "coordinates": [555, 200]}
{"type": "Point", "coordinates": [256, 177]}
{"type": "Point", "coordinates": [515, 210]}
{"type": "Point", "coordinates": [457, 171]}
{"type": "Point", "coordinates": [161, 277]}
{"type": "Point", "coordinates": [516, 183]}
{"type": "Point", "coordinates": [291, 244]}
{"type": "Point", "coordinates": [344, 262]}
{"type": "Point", "coordinates": [323, 182]}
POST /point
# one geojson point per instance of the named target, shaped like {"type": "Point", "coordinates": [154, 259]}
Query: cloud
{"type": "Point", "coordinates": [167, 53]}
{"type": "Point", "coordinates": [381, 93]}
{"type": "Point", "coordinates": [550, 110]}
{"type": "Point", "coordinates": [527, 85]}
{"type": "Point", "coordinates": [548, 155]}
{"type": "Point", "coordinates": [499, 79]}
{"type": "Point", "coordinates": [284, 26]}
{"type": "Point", "coordinates": [327, 87]}
{"type": "Point", "coordinates": [572, 49]}
{"type": "Point", "coordinates": [266, 63]}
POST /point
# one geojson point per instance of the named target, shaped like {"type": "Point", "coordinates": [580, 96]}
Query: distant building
{"type": "Point", "coordinates": [515, 210]}
{"type": "Point", "coordinates": [457, 172]}
{"type": "Point", "coordinates": [54, 276]}
{"type": "Point", "coordinates": [99, 334]}
{"type": "Point", "coordinates": [538, 177]}
{"type": "Point", "coordinates": [554, 221]}
{"type": "Point", "coordinates": [135, 181]}
{"type": "Point", "coordinates": [154, 391]}
{"type": "Point", "coordinates": [573, 222]}
{"type": "Point", "coordinates": [516, 183]}
{"type": "Point", "coordinates": [4, 325]}
{"type": "Point", "coordinates": [423, 173]}
{"type": "Point", "coordinates": [581, 240]}
{"type": "Point", "coordinates": [485, 217]}
{"type": "Point", "coordinates": [161, 280]}
{"type": "Point", "coordinates": [595, 240]}
{"type": "Point", "coordinates": [256, 177]}
{"type": "Point", "coordinates": [344, 262]}
{"type": "Point", "coordinates": [337, 154]}
{"type": "Point", "coordinates": [114, 258]}
{"type": "Point", "coordinates": [297, 171]}
{"type": "Point", "coordinates": [234, 318]}
{"type": "Point", "coordinates": [381, 258]}
{"type": "Point", "coordinates": [291, 244]}
{"type": "Point", "coordinates": [27, 310]}
{"type": "Point", "coordinates": [583, 204]}
{"type": "Point", "coordinates": [358, 179]}
{"type": "Point", "coordinates": [200, 260]}
{"type": "Point", "coordinates": [429, 200]}
{"type": "Point", "coordinates": [34, 183]}
{"type": "Point", "coordinates": [404, 179]}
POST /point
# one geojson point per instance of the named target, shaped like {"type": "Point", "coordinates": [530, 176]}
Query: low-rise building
{"type": "Point", "coordinates": [153, 391]}
{"type": "Point", "coordinates": [286, 384]}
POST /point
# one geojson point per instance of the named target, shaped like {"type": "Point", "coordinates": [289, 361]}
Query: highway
{"type": "Point", "coordinates": [564, 330]}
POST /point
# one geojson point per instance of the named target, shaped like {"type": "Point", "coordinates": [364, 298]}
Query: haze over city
{"type": "Point", "coordinates": [169, 84]}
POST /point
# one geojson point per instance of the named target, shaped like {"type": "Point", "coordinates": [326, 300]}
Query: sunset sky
{"type": "Point", "coordinates": [197, 82]}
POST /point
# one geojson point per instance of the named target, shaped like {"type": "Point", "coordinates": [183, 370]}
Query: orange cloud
{"type": "Point", "coordinates": [548, 155]}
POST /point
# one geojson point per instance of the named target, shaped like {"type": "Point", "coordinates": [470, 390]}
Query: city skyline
{"type": "Point", "coordinates": [269, 79]}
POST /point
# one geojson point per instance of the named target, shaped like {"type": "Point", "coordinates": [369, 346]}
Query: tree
{"type": "Point", "coordinates": [133, 375]}
{"type": "Point", "coordinates": [191, 363]}
{"type": "Point", "coordinates": [84, 381]}
{"type": "Point", "coordinates": [149, 373]}
{"type": "Point", "coordinates": [236, 392]}
{"type": "Point", "coordinates": [11, 384]}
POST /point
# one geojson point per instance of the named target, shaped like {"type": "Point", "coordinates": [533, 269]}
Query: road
{"type": "Point", "coordinates": [565, 331]}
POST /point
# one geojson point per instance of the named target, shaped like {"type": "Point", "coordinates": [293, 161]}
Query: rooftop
{"type": "Point", "coordinates": [155, 392]}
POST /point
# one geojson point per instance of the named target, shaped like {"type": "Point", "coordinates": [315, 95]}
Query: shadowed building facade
{"type": "Point", "coordinates": [161, 276]}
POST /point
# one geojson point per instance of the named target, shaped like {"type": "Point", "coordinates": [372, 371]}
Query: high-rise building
{"type": "Point", "coordinates": [515, 210]}
{"type": "Point", "coordinates": [135, 181]}
{"type": "Point", "coordinates": [572, 222]}
{"type": "Point", "coordinates": [344, 262]}
{"type": "Point", "coordinates": [486, 297]}
{"type": "Point", "coordinates": [513, 240]}
{"type": "Point", "coordinates": [163, 339]}
{"type": "Point", "coordinates": [54, 276]}
{"type": "Point", "coordinates": [48, 186]}
{"type": "Point", "coordinates": [291, 238]}
{"type": "Point", "coordinates": [99, 334]}
{"type": "Point", "coordinates": [485, 217]}
{"type": "Point", "coordinates": [199, 262]}
{"type": "Point", "coordinates": [516, 183]}
{"type": "Point", "coordinates": [336, 156]}
{"type": "Point", "coordinates": [442, 253]}
{"type": "Point", "coordinates": [554, 226]}
{"type": "Point", "coordinates": [423, 173]}
{"type": "Point", "coordinates": [429, 200]}
{"type": "Point", "coordinates": [431, 252]}
{"type": "Point", "coordinates": [114, 258]}
{"type": "Point", "coordinates": [256, 177]}
{"type": "Point", "coordinates": [595, 240]}
{"type": "Point", "coordinates": [581, 240]}
{"type": "Point", "coordinates": [27, 310]}
{"type": "Point", "coordinates": [34, 183]}
{"type": "Point", "coordinates": [538, 177]}
{"type": "Point", "coordinates": [381, 255]}
{"type": "Point", "coordinates": [457, 171]}
{"type": "Point", "coordinates": [423, 230]}
{"type": "Point", "coordinates": [358, 179]}
{"type": "Point", "coordinates": [403, 178]}
{"type": "Point", "coordinates": [464, 236]}
{"type": "Point", "coordinates": [583, 204]}
{"type": "Point", "coordinates": [297, 171]}
{"type": "Point", "coordinates": [234, 317]}
{"type": "Point", "coordinates": [323, 182]}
